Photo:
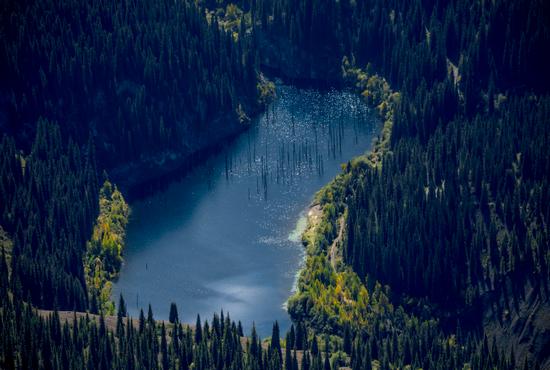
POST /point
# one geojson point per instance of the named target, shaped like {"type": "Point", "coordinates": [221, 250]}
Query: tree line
{"type": "Point", "coordinates": [455, 210]}
{"type": "Point", "coordinates": [33, 340]}
{"type": "Point", "coordinates": [90, 85]}
{"type": "Point", "coordinates": [141, 77]}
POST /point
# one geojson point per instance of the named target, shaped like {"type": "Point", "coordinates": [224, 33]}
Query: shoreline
{"type": "Point", "coordinates": [300, 305]}
{"type": "Point", "coordinates": [138, 178]}
{"type": "Point", "coordinates": [296, 236]}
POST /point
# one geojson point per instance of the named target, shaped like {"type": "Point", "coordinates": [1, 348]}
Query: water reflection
{"type": "Point", "coordinates": [227, 236]}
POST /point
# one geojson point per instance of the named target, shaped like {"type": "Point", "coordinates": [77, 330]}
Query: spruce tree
{"type": "Point", "coordinates": [173, 317]}
{"type": "Point", "coordinates": [276, 341]}
{"type": "Point", "coordinates": [198, 330]}
{"type": "Point", "coordinates": [121, 307]}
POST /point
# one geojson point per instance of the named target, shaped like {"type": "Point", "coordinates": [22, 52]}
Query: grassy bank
{"type": "Point", "coordinates": [330, 296]}
{"type": "Point", "coordinates": [103, 257]}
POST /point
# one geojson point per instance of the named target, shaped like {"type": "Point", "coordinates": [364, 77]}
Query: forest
{"type": "Point", "coordinates": [139, 77]}
{"type": "Point", "coordinates": [444, 223]}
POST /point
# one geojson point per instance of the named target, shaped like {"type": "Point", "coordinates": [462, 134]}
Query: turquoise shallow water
{"type": "Point", "coordinates": [226, 236]}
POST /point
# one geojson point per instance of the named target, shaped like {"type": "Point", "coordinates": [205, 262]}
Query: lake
{"type": "Point", "coordinates": [227, 235]}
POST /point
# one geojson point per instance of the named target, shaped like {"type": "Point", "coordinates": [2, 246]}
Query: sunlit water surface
{"type": "Point", "coordinates": [227, 236]}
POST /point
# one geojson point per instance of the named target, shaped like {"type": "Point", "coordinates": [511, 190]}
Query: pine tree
{"type": "Point", "coordinates": [347, 339]}
{"type": "Point", "coordinates": [198, 330]}
{"type": "Point", "coordinates": [173, 317]}
{"type": "Point", "coordinates": [327, 353]}
{"type": "Point", "coordinates": [276, 342]}
{"type": "Point", "coordinates": [288, 358]}
{"type": "Point", "coordinates": [165, 360]}
{"type": "Point", "coordinates": [121, 307]}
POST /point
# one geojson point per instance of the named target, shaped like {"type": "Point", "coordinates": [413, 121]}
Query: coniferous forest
{"type": "Point", "coordinates": [432, 250]}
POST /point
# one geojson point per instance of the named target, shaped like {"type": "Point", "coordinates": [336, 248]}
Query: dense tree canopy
{"type": "Point", "coordinates": [49, 202]}
{"type": "Point", "coordinates": [95, 84]}
{"type": "Point", "coordinates": [453, 206]}
{"type": "Point", "coordinates": [450, 210]}
{"type": "Point", "coordinates": [139, 76]}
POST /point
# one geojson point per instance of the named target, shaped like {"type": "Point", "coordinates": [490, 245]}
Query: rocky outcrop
{"type": "Point", "coordinates": [524, 327]}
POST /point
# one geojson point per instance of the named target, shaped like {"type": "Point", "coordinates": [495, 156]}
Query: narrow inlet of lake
{"type": "Point", "coordinates": [227, 236]}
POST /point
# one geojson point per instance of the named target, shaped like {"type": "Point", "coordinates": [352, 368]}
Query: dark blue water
{"type": "Point", "coordinates": [227, 236]}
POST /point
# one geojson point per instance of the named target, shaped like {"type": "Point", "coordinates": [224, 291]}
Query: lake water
{"type": "Point", "coordinates": [227, 236]}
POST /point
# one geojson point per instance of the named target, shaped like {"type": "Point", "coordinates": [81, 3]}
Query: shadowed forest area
{"type": "Point", "coordinates": [430, 251]}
